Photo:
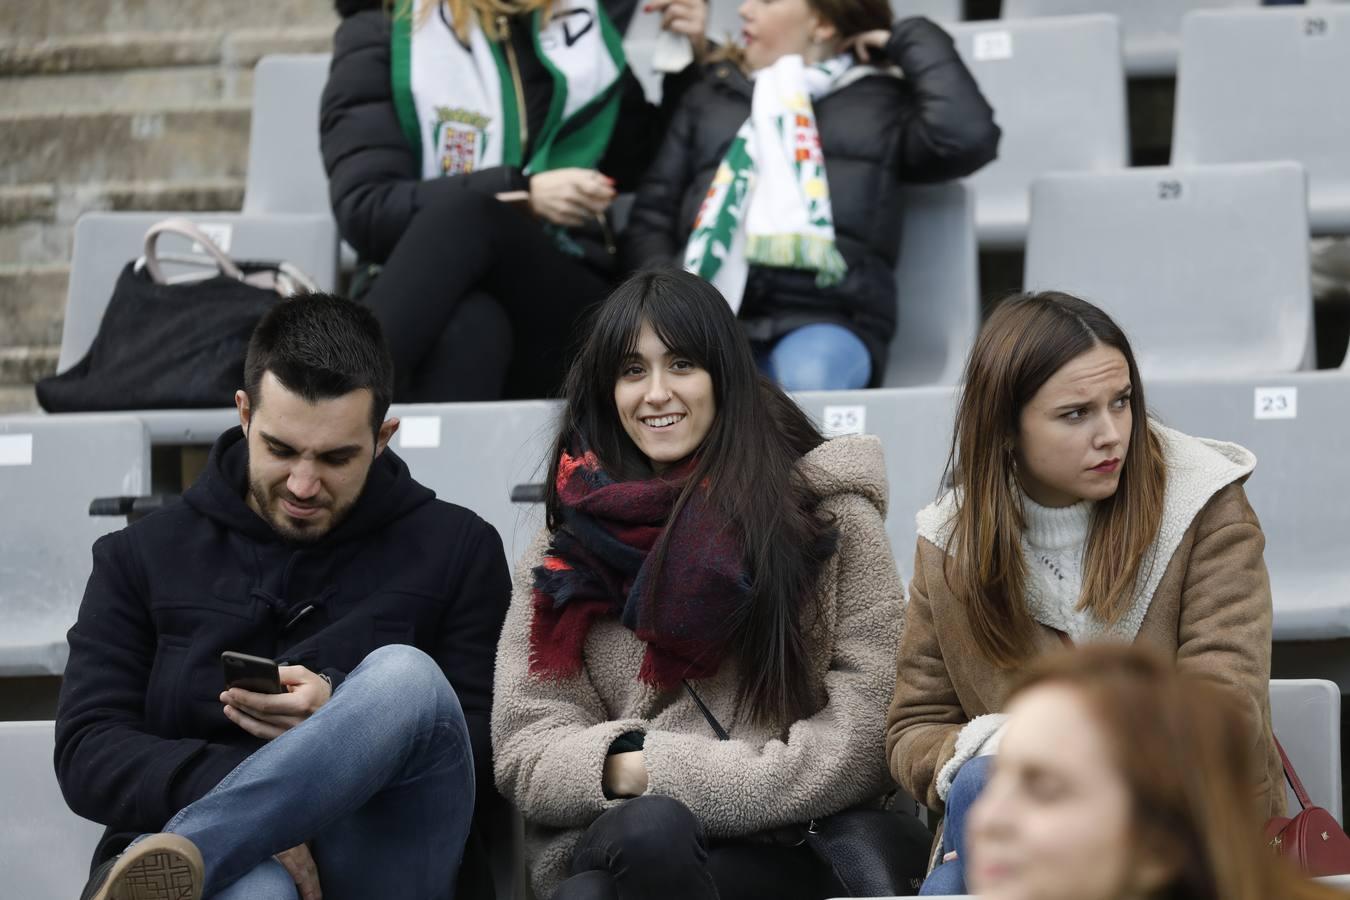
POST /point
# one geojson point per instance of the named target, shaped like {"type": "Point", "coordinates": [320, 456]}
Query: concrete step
{"type": "Point", "coordinates": [77, 145]}
{"type": "Point", "coordinates": [22, 366]}
{"type": "Point", "coordinates": [37, 221]}
{"type": "Point", "coordinates": [237, 48]}
{"type": "Point", "coordinates": [17, 399]}
{"type": "Point", "coordinates": [32, 304]}
{"type": "Point", "coordinates": [181, 86]}
{"type": "Point", "coordinates": [36, 19]}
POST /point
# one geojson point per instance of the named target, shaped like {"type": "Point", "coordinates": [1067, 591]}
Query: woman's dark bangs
{"type": "Point", "coordinates": [673, 322]}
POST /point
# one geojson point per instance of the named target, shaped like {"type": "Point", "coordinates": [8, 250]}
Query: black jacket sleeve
{"type": "Point", "coordinates": [641, 125]}
{"type": "Point", "coordinates": [374, 181]}
{"type": "Point", "coordinates": [952, 132]}
{"type": "Point", "coordinates": [652, 237]}
{"type": "Point", "coordinates": [111, 768]}
{"type": "Point", "coordinates": [467, 646]}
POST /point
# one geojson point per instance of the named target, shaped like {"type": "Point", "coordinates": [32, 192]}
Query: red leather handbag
{"type": "Point", "coordinates": [1312, 839]}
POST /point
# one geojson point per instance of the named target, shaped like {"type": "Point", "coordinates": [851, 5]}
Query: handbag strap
{"type": "Point", "coordinates": [1299, 791]}
{"type": "Point", "coordinates": [717, 728]}
{"type": "Point", "coordinates": [187, 229]}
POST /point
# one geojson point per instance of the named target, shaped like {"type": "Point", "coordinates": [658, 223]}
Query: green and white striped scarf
{"type": "Point", "coordinates": [769, 203]}
{"type": "Point", "coordinates": [458, 105]}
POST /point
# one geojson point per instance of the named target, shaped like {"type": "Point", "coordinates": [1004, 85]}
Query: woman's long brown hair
{"type": "Point", "coordinates": [1187, 757]}
{"type": "Point", "coordinates": [1026, 340]}
{"type": "Point", "coordinates": [850, 18]}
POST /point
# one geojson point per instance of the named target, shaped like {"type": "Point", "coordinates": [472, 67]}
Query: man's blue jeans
{"type": "Point", "coordinates": [379, 781]}
{"type": "Point", "coordinates": [820, 357]}
{"type": "Point", "coordinates": [950, 877]}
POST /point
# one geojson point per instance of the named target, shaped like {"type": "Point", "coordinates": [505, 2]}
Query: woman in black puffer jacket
{"type": "Point", "coordinates": [421, 137]}
{"type": "Point", "coordinates": [927, 122]}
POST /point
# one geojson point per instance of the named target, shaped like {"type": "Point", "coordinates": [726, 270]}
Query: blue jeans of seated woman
{"type": "Point", "coordinates": [820, 357]}
{"type": "Point", "coordinates": [950, 877]}
{"type": "Point", "coordinates": [379, 781]}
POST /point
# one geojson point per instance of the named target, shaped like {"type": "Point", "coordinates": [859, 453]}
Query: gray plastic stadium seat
{"type": "Point", "coordinates": [47, 848]}
{"type": "Point", "coordinates": [473, 454]}
{"type": "Point", "coordinates": [1152, 27]}
{"type": "Point", "coordinates": [1302, 113]}
{"type": "Point", "coordinates": [50, 468]}
{"type": "Point", "coordinates": [1058, 92]}
{"type": "Point", "coordinates": [937, 10]}
{"type": "Point", "coordinates": [937, 283]}
{"type": "Point", "coordinates": [915, 427]}
{"type": "Point", "coordinates": [1307, 719]}
{"type": "Point", "coordinates": [1304, 514]}
{"type": "Point", "coordinates": [106, 242]}
{"type": "Point", "coordinates": [1206, 268]}
{"type": "Point", "coordinates": [285, 170]}
{"type": "Point", "coordinates": [285, 167]}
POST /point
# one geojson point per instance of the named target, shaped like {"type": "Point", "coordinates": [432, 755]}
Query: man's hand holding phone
{"type": "Point", "coordinates": [268, 716]}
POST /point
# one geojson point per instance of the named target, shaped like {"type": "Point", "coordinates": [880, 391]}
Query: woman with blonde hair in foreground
{"type": "Point", "coordinates": [1120, 777]}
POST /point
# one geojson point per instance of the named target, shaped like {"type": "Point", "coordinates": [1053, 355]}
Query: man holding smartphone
{"type": "Point", "coordinates": [305, 542]}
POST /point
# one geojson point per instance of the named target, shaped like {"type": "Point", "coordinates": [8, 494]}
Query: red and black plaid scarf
{"type": "Point", "coordinates": [597, 565]}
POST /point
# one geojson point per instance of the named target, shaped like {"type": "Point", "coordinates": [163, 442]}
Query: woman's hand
{"type": "Point", "coordinates": [569, 197]}
{"type": "Point", "coordinates": [626, 774]}
{"type": "Point", "coordinates": [687, 18]}
{"type": "Point", "coordinates": [863, 44]}
{"type": "Point", "coordinates": [299, 864]}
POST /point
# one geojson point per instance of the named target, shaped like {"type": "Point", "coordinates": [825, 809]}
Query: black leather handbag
{"type": "Point", "coordinates": [872, 852]}
{"type": "Point", "coordinates": [173, 343]}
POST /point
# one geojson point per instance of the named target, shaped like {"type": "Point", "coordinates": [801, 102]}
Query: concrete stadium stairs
{"type": "Point", "coordinates": [118, 105]}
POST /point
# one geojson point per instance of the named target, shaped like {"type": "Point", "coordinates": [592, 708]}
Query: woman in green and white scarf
{"type": "Point", "coordinates": [780, 177]}
{"type": "Point", "coordinates": [473, 149]}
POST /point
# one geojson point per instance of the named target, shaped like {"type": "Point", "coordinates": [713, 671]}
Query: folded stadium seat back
{"type": "Point", "coordinates": [1296, 426]}
{"type": "Point", "coordinates": [1266, 85]}
{"type": "Point", "coordinates": [1151, 27]}
{"type": "Point", "coordinates": [1057, 87]}
{"type": "Point", "coordinates": [473, 454]}
{"type": "Point", "coordinates": [937, 286]}
{"type": "Point", "coordinates": [937, 10]}
{"type": "Point", "coordinates": [1307, 719]}
{"type": "Point", "coordinates": [1206, 268]}
{"type": "Point", "coordinates": [106, 242]}
{"type": "Point", "coordinates": [47, 847]}
{"type": "Point", "coordinates": [285, 168]}
{"type": "Point", "coordinates": [914, 425]}
{"type": "Point", "coordinates": [51, 467]}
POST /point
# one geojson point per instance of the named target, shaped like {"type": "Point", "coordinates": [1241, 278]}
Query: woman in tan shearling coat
{"type": "Point", "coordinates": [1073, 518]}
{"type": "Point", "coordinates": [679, 472]}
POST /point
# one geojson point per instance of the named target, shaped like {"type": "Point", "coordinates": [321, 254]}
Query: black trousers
{"type": "Point", "coordinates": [652, 848]}
{"type": "Point", "coordinates": [477, 303]}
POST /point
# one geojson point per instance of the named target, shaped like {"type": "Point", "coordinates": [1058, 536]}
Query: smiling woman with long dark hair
{"type": "Point", "coordinates": [701, 640]}
{"type": "Point", "coordinates": [1073, 517]}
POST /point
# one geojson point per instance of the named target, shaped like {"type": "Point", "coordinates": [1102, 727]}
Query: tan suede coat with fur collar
{"type": "Point", "coordinates": [550, 738]}
{"type": "Point", "coordinates": [1205, 601]}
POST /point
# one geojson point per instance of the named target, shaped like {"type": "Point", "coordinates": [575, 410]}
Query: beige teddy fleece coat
{"type": "Point", "coordinates": [1205, 600]}
{"type": "Point", "coordinates": [550, 738]}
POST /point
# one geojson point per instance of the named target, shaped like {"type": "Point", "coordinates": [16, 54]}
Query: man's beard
{"type": "Point", "coordinates": [284, 525]}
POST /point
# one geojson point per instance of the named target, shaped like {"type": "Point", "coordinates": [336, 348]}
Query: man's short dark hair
{"type": "Point", "coordinates": [321, 347]}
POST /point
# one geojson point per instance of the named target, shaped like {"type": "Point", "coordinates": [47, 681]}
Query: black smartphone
{"type": "Point", "coordinates": [251, 673]}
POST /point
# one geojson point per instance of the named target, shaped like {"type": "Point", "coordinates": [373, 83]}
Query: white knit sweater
{"type": "Point", "coordinates": [1052, 547]}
